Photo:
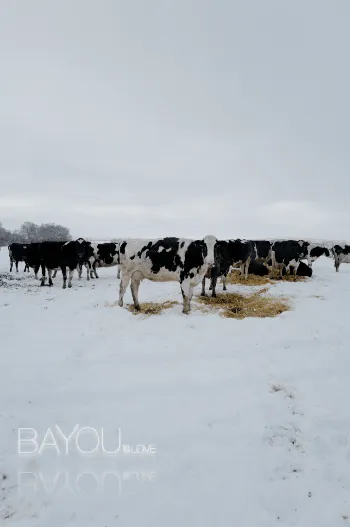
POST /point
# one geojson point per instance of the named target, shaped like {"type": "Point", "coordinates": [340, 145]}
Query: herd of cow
{"type": "Point", "coordinates": [166, 259]}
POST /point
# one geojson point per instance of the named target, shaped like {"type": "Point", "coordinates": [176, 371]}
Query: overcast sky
{"type": "Point", "coordinates": [148, 118]}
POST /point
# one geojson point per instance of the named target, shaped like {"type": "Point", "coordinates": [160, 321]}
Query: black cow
{"type": "Point", "coordinates": [341, 254]}
{"type": "Point", "coordinates": [228, 253]}
{"type": "Point", "coordinates": [61, 255]}
{"type": "Point", "coordinates": [257, 268]}
{"type": "Point", "coordinates": [287, 254]}
{"type": "Point", "coordinates": [17, 254]}
{"type": "Point", "coordinates": [32, 257]}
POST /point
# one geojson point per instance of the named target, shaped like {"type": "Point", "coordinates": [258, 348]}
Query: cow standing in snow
{"type": "Point", "coordinates": [17, 254]}
{"type": "Point", "coordinates": [54, 255]}
{"type": "Point", "coordinates": [341, 254]}
{"type": "Point", "coordinates": [166, 259]}
{"type": "Point", "coordinates": [315, 250]}
{"type": "Point", "coordinates": [228, 253]}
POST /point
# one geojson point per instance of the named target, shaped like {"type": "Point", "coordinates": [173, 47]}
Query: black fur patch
{"type": "Point", "coordinates": [319, 251]}
{"type": "Point", "coordinates": [106, 252]}
{"type": "Point", "coordinates": [341, 250]}
{"type": "Point", "coordinates": [194, 258]}
{"type": "Point", "coordinates": [258, 269]}
{"type": "Point", "coordinates": [164, 253]}
{"type": "Point", "coordinates": [145, 248]}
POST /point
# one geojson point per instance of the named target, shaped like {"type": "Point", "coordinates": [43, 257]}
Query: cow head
{"type": "Point", "coordinates": [210, 242]}
{"type": "Point", "coordinates": [303, 248]}
{"type": "Point", "coordinates": [82, 248]}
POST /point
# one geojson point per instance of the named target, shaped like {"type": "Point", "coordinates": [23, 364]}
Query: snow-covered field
{"type": "Point", "coordinates": [236, 422]}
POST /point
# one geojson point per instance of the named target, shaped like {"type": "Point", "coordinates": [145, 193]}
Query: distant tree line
{"type": "Point", "coordinates": [30, 232]}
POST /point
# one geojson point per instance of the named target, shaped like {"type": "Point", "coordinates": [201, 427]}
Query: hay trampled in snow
{"type": "Point", "coordinates": [152, 308]}
{"type": "Point", "coordinates": [235, 278]}
{"type": "Point", "coordinates": [234, 305]}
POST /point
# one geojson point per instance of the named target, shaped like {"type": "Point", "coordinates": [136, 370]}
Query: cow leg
{"type": "Point", "coordinates": [336, 265]}
{"type": "Point", "coordinates": [36, 270]}
{"type": "Point", "coordinates": [224, 288]}
{"type": "Point", "coordinates": [80, 271]}
{"type": "Point", "coordinates": [43, 277]}
{"type": "Point", "coordinates": [16, 266]}
{"type": "Point", "coordinates": [246, 268]}
{"type": "Point", "coordinates": [187, 292]}
{"type": "Point", "coordinates": [54, 273]}
{"type": "Point", "coordinates": [118, 275]}
{"type": "Point", "coordinates": [214, 279]}
{"type": "Point", "coordinates": [124, 282]}
{"type": "Point", "coordinates": [203, 287]}
{"type": "Point", "coordinates": [87, 265]}
{"type": "Point", "coordinates": [11, 265]}
{"type": "Point", "coordinates": [94, 265]}
{"type": "Point", "coordinates": [64, 274]}
{"type": "Point", "coordinates": [135, 283]}
{"type": "Point", "coordinates": [70, 277]}
{"type": "Point", "coordinates": [50, 277]}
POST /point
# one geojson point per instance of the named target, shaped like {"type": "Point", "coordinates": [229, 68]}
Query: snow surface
{"type": "Point", "coordinates": [249, 419]}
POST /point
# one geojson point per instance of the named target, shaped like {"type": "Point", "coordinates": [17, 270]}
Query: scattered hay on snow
{"type": "Point", "coordinates": [275, 275]}
{"type": "Point", "coordinates": [233, 305]}
{"type": "Point", "coordinates": [152, 308]}
{"type": "Point", "coordinates": [235, 278]}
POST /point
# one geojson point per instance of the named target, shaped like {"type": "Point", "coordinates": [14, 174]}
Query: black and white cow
{"type": "Point", "coordinates": [61, 255]}
{"type": "Point", "coordinates": [262, 251]}
{"type": "Point", "coordinates": [166, 259]}
{"type": "Point", "coordinates": [304, 270]}
{"type": "Point", "coordinates": [315, 250]}
{"type": "Point", "coordinates": [17, 254]}
{"type": "Point", "coordinates": [104, 255]}
{"type": "Point", "coordinates": [287, 254]}
{"type": "Point", "coordinates": [227, 254]}
{"type": "Point", "coordinates": [341, 254]}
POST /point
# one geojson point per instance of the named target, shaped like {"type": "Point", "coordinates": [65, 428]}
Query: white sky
{"type": "Point", "coordinates": [176, 117]}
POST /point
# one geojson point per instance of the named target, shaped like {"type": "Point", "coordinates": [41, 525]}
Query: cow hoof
{"type": "Point", "coordinates": [203, 294]}
{"type": "Point", "coordinates": [64, 286]}
{"type": "Point", "coordinates": [225, 288]}
{"type": "Point", "coordinates": [137, 307]}
{"type": "Point", "coordinates": [120, 304]}
{"type": "Point", "coordinates": [50, 284]}
{"type": "Point", "coordinates": [42, 284]}
{"type": "Point", "coordinates": [69, 285]}
{"type": "Point", "coordinates": [185, 312]}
